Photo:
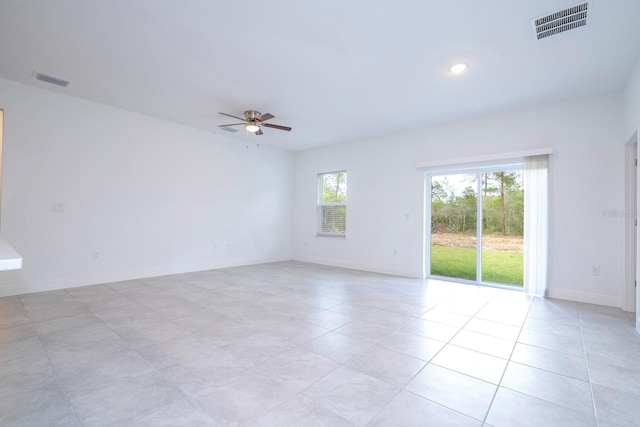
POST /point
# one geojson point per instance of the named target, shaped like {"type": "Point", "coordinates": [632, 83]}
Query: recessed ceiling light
{"type": "Point", "coordinates": [458, 68]}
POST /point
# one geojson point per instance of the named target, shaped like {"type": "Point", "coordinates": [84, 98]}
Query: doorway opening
{"type": "Point", "coordinates": [477, 225]}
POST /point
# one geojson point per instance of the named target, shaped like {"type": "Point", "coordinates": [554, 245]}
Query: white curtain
{"type": "Point", "coordinates": [536, 221]}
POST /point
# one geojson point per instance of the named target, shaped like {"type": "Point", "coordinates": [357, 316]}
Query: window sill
{"type": "Point", "coordinates": [330, 235]}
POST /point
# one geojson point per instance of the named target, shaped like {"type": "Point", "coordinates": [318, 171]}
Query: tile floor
{"type": "Point", "coordinates": [294, 344]}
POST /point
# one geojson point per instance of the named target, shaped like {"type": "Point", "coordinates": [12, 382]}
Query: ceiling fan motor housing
{"type": "Point", "coordinates": [252, 115]}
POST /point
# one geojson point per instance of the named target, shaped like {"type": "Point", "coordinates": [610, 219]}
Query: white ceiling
{"type": "Point", "coordinates": [333, 70]}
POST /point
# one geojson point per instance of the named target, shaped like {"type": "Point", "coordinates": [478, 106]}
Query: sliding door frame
{"type": "Point", "coordinates": [498, 166]}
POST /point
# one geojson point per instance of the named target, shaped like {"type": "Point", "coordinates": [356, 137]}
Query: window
{"type": "Point", "coordinates": [332, 204]}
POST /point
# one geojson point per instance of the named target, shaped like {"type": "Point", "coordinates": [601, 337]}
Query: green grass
{"type": "Point", "coordinates": [497, 266]}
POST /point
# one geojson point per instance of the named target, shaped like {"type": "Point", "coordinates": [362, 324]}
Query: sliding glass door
{"type": "Point", "coordinates": [454, 213]}
{"type": "Point", "coordinates": [477, 222]}
{"type": "Point", "coordinates": [502, 227]}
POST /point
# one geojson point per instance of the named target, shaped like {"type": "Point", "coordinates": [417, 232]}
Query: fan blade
{"type": "Point", "coordinates": [259, 132]}
{"type": "Point", "coordinates": [265, 116]}
{"type": "Point", "coordinates": [232, 124]}
{"type": "Point", "coordinates": [235, 117]}
{"type": "Point", "coordinates": [269, 125]}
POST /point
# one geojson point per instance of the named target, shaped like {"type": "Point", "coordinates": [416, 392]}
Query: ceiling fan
{"type": "Point", "coordinates": [253, 122]}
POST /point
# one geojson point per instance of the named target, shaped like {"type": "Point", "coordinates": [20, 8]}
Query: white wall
{"type": "Point", "coordinates": [150, 196]}
{"type": "Point", "coordinates": [631, 98]}
{"type": "Point", "coordinates": [386, 192]}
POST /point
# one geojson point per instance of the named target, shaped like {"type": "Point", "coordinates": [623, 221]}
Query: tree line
{"type": "Point", "coordinates": [453, 210]}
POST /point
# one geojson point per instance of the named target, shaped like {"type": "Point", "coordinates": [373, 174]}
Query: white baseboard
{"type": "Point", "coordinates": [586, 297]}
{"type": "Point", "coordinates": [362, 267]}
{"type": "Point", "coordinates": [73, 282]}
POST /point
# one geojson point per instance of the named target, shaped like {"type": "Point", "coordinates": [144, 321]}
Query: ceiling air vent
{"type": "Point", "coordinates": [51, 79]}
{"type": "Point", "coordinates": [561, 21]}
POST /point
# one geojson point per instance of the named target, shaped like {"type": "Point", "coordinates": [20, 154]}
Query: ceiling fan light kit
{"type": "Point", "coordinates": [253, 121]}
{"type": "Point", "coordinates": [252, 127]}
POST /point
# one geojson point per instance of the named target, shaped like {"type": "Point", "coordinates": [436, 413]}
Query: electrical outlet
{"type": "Point", "coordinates": [595, 271]}
{"type": "Point", "coordinates": [95, 255]}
